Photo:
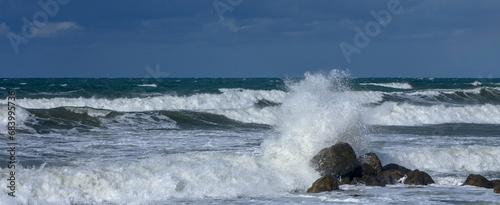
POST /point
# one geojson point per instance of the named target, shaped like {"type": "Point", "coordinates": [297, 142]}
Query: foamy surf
{"type": "Point", "coordinates": [247, 142]}
{"type": "Point", "coordinates": [405, 86]}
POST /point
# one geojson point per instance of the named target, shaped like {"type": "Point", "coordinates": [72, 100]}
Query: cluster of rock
{"type": "Point", "coordinates": [340, 162]}
{"type": "Point", "coordinates": [480, 181]}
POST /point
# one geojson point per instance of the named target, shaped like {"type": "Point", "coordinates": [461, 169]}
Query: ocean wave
{"type": "Point", "coordinates": [262, 107]}
{"type": "Point", "coordinates": [228, 99]}
{"type": "Point", "coordinates": [89, 111]}
{"type": "Point", "coordinates": [476, 83]}
{"type": "Point", "coordinates": [266, 115]}
{"type": "Point", "coordinates": [21, 115]}
{"type": "Point", "coordinates": [405, 86]}
{"type": "Point", "coordinates": [391, 113]}
{"type": "Point", "coordinates": [148, 85]}
{"type": "Point", "coordinates": [471, 159]}
{"type": "Point", "coordinates": [157, 178]}
{"type": "Point", "coordinates": [317, 111]}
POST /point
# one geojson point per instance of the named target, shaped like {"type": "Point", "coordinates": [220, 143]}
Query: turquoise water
{"type": "Point", "coordinates": [219, 141]}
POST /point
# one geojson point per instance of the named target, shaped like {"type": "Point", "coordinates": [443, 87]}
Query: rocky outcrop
{"type": "Point", "coordinates": [416, 177]}
{"type": "Point", "coordinates": [479, 181]}
{"type": "Point", "coordinates": [337, 160]}
{"type": "Point", "coordinates": [325, 183]}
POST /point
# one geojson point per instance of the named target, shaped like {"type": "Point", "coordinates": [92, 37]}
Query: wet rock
{"type": "Point", "coordinates": [345, 180]}
{"type": "Point", "coordinates": [356, 181]}
{"type": "Point", "coordinates": [496, 182]}
{"type": "Point", "coordinates": [386, 177]}
{"type": "Point", "coordinates": [325, 183]}
{"type": "Point", "coordinates": [370, 164]}
{"type": "Point", "coordinates": [479, 181]}
{"type": "Point", "coordinates": [396, 167]}
{"type": "Point", "coordinates": [497, 189]}
{"type": "Point", "coordinates": [372, 181]}
{"type": "Point", "coordinates": [416, 177]}
{"type": "Point", "coordinates": [337, 160]}
{"type": "Point", "coordinates": [396, 170]}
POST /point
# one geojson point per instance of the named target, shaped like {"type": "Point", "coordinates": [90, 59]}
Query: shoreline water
{"type": "Point", "coordinates": [103, 141]}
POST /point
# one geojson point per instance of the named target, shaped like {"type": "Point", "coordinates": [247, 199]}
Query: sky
{"type": "Point", "coordinates": [249, 38]}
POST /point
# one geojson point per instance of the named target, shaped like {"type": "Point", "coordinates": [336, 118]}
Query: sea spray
{"type": "Point", "coordinates": [317, 112]}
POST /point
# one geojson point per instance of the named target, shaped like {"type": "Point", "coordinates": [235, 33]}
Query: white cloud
{"type": "Point", "coordinates": [4, 29]}
{"type": "Point", "coordinates": [52, 29]}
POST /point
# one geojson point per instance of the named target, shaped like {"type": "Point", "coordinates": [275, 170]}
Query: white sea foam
{"type": "Point", "coordinates": [134, 121]}
{"type": "Point", "coordinates": [229, 99]}
{"type": "Point", "coordinates": [88, 111]}
{"type": "Point", "coordinates": [266, 115]}
{"type": "Point", "coordinates": [20, 115]}
{"type": "Point", "coordinates": [391, 85]}
{"type": "Point", "coordinates": [472, 159]}
{"type": "Point", "coordinates": [391, 113]}
{"type": "Point", "coordinates": [476, 83]}
{"type": "Point", "coordinates": [148, 85]}
{"type": "Point", "coordinates": [437, 92]}
{"type": "Point", "coordinates": [146, 181]}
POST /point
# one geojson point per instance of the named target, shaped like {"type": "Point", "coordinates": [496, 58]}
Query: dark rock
{"type": "Point", "coordinates": [356, 180]}
{"type": "Point", "coordinates": [337, 160]}
{"type": "Point", "coordinates": [396, 167]}
{"type": "Point", "coordinates": [416, 177]}
{"type": "Point", "coordinates": [427, 178]}
{"type": "Point", "coordinates": [386, 177]}
{"type": "Point", "coordinates": [396, 173]}
{"type": "Point", "coordinates": [496, 189]}
{"type": "Point", "coordinates": [370, 164]}
{"type": "Point", "coordinates": [367, 170]}
{"type": "Point", "coordinates": [345, 180]}
{"type": "Point", "coordinates": [325, 183]}
{"type": "Point", "coordinates": [372, 181]}
{"type": "Point", "coordinates": [496, 182]}
{"type": "Point", "coordinates": [396, 170]}
{"type": "Point", "coordinates": [479, 181]}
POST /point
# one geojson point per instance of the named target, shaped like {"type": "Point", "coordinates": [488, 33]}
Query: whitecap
{"type": "Point", "coordinates": [148, 85]}
{"type": "Point", "coordinates": [405, 86]}
{"type": "Point", "coordinates": [476, 83]}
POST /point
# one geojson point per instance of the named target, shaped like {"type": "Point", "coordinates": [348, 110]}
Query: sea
{"type": "Point", "coordinates": [244, 140]}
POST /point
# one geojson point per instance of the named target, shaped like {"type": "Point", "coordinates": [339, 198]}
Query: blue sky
{"type": "Point", "coordinates": [249, 38]}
